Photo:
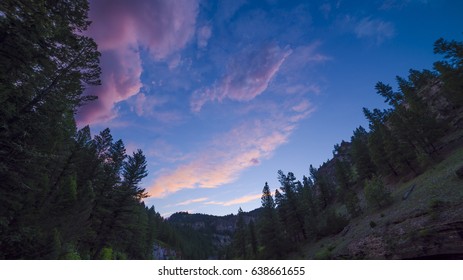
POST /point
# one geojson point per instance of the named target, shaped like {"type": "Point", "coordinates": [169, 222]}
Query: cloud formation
{"type": "Point", "coordinates": [121, 29]}
{"type": "Point", "coordinates": [374, 28]}
{"type": "Point", "coordinates": [239, 200]}
{"type": "Point", "coordinates": [191, 201]}
{"type": "Point", "coordinates": [248, 75]}
{"type": "Point", "coordinates": [228, 154]}
{"type": "Point", "coordinates": [222, 162]}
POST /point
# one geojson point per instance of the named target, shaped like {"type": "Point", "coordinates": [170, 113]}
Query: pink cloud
{"type": "Point", "coordinates": [121, 70]}
{"type": "Point", "coordinates": [303, 106]}
{"type": "Point", "coordinates": [239, 200]}
{"type": "Point", "coordinates": [208, 171]}
{"type": "Point", "coordinates": [191, 201]}
{"type": "Point", "coordinates": [227, 155]}
{"type": "Point", "coordinates": [120, 28]}
{"type": "Point", "coordinates": [248, 75]}
{"type": "Point", "coordinates": [302, 111]}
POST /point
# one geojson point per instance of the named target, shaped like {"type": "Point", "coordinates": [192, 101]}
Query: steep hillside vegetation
{"type": "Point", "coordinates": [425, 220]}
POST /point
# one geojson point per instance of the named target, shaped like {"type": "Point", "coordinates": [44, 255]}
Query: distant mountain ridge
{"type": "Point", "coordinates": [216, 230]}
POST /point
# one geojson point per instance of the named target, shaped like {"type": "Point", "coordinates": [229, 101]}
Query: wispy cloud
{"type": "Point", "coordinates": [248, 75]}
{"type": "Point", "coordinates": [239, 200]}
{"type": "Point", "coordinates": [222, 160]}
{"type": "Point", "coordinates": [369, 28]}
{"type": "Point", "coordinates": [120, 29]}
{"type": "Point", "coordinates": [191, 201]}
{"type": "Point", "coordinates": [307, 55]}
{"type": "Point", "coordinates": [293, 75]}
{"type": "Point", "coordinates": [374, 28]}
{"type": "Point", "coordinates": [399, 4]}
{"type": "Point", "coordinates": [150, 106]}
{"type": "Point", "coordinates": [303, 89]}
{"type": "Point", "coordinates": [303, 110]}
{"type": "Point", "coordinates": [143, 104]}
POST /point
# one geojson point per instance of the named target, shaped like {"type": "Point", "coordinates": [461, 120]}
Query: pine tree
{"type": "Point", "coordinates": [253, 239]}
{"type": "Point", "coordinates": [270, 234]}
{"type": "Point", "coordinates": [239, 237]}
{"type": "Point", "coordinates": [344, 178]}
{"type": "Point", "coordinates": [134, 170]}
{"type": "Point", "coordinates": [310, 208]}
{"type": "Point", "coordinates": [411, 120]}
{"type": "Point", "coordinates": [376, 144]}
{"type": "Point", "coordinates": [360, 154]}
{"type": "Point", "coordinates": [326, 191]}
{"type": "Point", "coordinates": [451, 69]}
{"type": "Point", "coordinates": [343, 174]}
{"type": "Point", "coordinates": [117, 224]}
{"type": "Point", "coordinates": [293, 213]}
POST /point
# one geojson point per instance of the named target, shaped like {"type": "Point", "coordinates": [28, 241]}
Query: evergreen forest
{"type": "Point", "coordinates": [63, 193]}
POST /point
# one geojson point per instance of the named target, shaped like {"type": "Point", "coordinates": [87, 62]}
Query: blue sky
{"type": "Point", "coordinates": [220, 95]}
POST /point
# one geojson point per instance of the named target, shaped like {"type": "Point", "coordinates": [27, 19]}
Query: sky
{"type": "Point", "coordinates": [220, 95]}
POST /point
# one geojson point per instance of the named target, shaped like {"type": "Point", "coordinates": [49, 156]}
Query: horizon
{"type": "Point", "coordinates": [222, 95]}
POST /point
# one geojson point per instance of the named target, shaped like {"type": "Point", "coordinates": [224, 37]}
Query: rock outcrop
{"type": "Point", "coordinates": [433, 234]}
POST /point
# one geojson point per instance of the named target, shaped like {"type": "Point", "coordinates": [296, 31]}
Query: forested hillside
{"type": "Point", "coordinates": [63, 193]}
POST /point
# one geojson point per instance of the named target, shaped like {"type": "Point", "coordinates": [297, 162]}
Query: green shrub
{"type": "Point", "coordinates": [106, 253]}
{"type": "Point", "coordinates": [323, 254]}
{"type": "Point", "coordinates": [69, 252]}
{"type": "Point", "coordinates": [73, 255]}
